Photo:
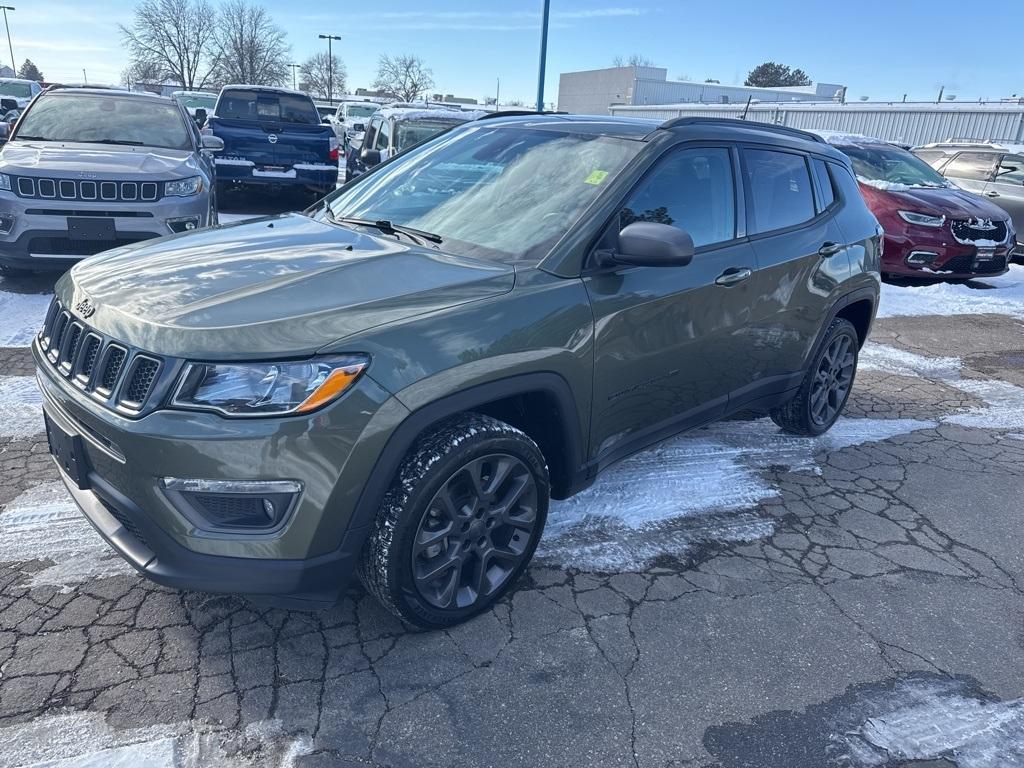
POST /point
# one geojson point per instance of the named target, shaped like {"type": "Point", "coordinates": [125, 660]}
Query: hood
{"type": "Point", "coordinates": [90, 161]}
{"type": "Point", "coordinates": [955, 203]}
{"type": "Point", "coordinates": [273, 287]}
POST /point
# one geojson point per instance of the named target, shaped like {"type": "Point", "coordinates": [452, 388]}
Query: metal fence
{"type": "Point", "coordinates": [904, 123]}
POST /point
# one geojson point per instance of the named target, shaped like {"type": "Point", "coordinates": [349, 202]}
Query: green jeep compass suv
{"type": "Point", "coordinates": [397, 380]}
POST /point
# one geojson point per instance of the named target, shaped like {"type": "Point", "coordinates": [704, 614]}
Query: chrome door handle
{"type": "Point", "coordinates": [733, 275]}
{"type": "Point", "coordinates": [829, 249]}
{"type": "Point", "coordinates": [991, 193]}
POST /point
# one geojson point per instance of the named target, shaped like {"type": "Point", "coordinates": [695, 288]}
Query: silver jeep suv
{"type": "Point", "coordinates": [89, 169]}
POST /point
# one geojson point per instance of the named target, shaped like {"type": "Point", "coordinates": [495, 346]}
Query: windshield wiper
{"type": "Point", "coordinates": [116, 141]}
{"type": "Point", "coordinates": [418, 236]}
{"type": "Point", "coordinates": [21, 136]}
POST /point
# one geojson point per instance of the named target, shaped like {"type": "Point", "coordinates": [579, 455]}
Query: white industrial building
{"type": "Point", "coordinates": [593, 91]}
{"type": "Point", "coordinates": [912, 123]}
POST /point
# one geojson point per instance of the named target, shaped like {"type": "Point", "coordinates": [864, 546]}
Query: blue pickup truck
{"type": "Point", "coordinates": [273, 138]}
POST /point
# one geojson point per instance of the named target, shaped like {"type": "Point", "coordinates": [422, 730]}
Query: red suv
{"type": "Point", "coordinates": [933, 229]}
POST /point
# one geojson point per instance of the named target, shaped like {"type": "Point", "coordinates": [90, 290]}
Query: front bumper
{"type": "Point", "coordinates": [934, 254]}
{"type": "Point", "coordinates": [40, 237]}
{"type": "Point", "coordinates": [124, 460]}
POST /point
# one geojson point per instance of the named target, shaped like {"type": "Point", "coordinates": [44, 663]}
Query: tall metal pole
{"type": "Point", "coordinates": [295, 85]}
{"type": "Point", "coordinates": [330, 66]}
{"type": "Point", "coordinates": [543, 55]}
{"type": "Point", "coordinates": [7, 26]}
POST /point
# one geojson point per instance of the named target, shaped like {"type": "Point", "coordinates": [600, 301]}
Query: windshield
{"type": "Point", "coordinates": [491, 191]}
{"type": "Point", "coordinates": [360, 110]}
{"type": "Point", "coordinates": [198, 101]}
{"type": "Point", "coordinates": [105, 119]}
{"type": "Point", "coordinates": [267, 106]}
{"type": "Point", "coordinates": [884, 166]}
{"type": "Point", "coordinates": [15, 90]}
{"type": "Point", "coordinates": [325, 111]}
{"type": "Point", "coordinates": [412, 132]}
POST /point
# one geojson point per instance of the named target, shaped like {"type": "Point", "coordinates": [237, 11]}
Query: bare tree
{"type": "Point", "coordinates": [175, 38]}
{"type": "Point", "coordinates": [317, 72]}
{"type": "Point", "coordinates": [252, 48]}
{"type": "Point", "coordinates": [141, 72]}
{"type": "Point", "coordinates": [633, 60]}
{"type": "Point", "coordinates": [403, 76]}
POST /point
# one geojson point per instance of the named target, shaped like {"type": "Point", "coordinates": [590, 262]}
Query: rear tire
{"type": "Point", "coordinates": [826, 386]}
{"type": "Point", "coordinates": [459, 524]}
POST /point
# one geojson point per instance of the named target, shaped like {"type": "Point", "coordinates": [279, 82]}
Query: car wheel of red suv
{"type": "Point", "coordinates": [826, 386]}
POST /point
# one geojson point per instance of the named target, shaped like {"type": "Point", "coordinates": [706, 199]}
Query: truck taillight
{"type": "Point", "coordinates": [332, 155]}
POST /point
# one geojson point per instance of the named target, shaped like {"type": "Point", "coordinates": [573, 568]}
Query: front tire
{"type": "Point", "coordinates": [826, 386]}
{"type": "Point", "coordinates": [459, 524]}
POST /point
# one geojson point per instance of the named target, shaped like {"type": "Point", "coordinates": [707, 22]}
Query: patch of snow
{"type": "Point", "coordinates": [85, 740]}
{"type": "Point", "coordinates": [879, 357]}
{"type": "Point", "coordinates": [666, 499]}
{"type": "Point", "coordinates": [21, 406]}
{"type": "Point", "coordinates": [929, 720]}
{"type": "Point", "coordinates": [895, 186]}
{"type": "Point", "coordinates": [44, 524]}
{"type": "Point", "coordinates": [21, 317]}
{"type": "Point", "coordinates": [1003, 295]}
{"type": "Point", "coordinates": [231, 218]}
{"type": "Point", "coordinates": [839, 138]}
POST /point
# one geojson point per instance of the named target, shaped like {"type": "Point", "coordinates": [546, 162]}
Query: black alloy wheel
{"type": "Point", "coordinates": [832, 380]}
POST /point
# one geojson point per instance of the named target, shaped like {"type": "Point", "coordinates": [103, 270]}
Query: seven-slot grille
{"type": "Point", "coordinates": [100, 366]}
{"type": "Point", "coordinates": [86, 190]}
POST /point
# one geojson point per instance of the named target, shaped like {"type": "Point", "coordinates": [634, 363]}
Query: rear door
{"type": "Point", "coordinates": [802, 258]}
{"type": "Point", "coordinates": [671, 342]}
{"type": "Point", "coordinates": [1007, 190]}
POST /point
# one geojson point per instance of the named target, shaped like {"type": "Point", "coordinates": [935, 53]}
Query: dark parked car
{"type": "Point", "coordinates": [393, 129]}
{"type": "Point", "coordinates": [933, 229]}
{"type": "Point", "coordinates": [994, 171]}
{"type": "Point", "coordinates": [396, 381]}
{"type": "Point", "coordinates": [273, 139]}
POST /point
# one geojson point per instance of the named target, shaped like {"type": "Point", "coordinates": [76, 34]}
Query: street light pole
{"type": "Point", "coordinates": [7, 26]}
{"type": "Point", "coordinates": [543, 55]}
{"type": "Point", "coordinates": [330, 66]}
{"type": "Point", "coordinates": [295, 68]}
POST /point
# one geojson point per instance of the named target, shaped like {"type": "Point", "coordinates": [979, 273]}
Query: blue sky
{"type": "Point", "coordinates": [881, 49]}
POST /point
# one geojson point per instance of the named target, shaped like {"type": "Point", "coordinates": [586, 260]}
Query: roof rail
{"type": "Point", "coordinates": [734, 122]}
{"type": "Point", "coordinates": [516, 113]}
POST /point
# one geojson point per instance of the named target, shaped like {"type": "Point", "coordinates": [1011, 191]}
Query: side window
{"type": "Point", "coordinates": [825, 190]}
{"type": "Point", "coordinates": [780, 189]}
{"type": "Point", "coordinates": [382, 134]}
{"type": "Point", "coordinates": [1011, 170]}
{"type": "Point", "coordinates": [371, 133]}
{"type": "Point", "coordinates": [691, 189]}
{"type": "Point", "coordinates": [844, 182]}
{"type": "Point", "coordinates": [979, 166]}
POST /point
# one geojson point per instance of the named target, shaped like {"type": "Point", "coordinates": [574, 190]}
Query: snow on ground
{"type": "Point", "coordinates": [1003, 295]}
{"type": "Point", "coordinates": [20, 407]}
{"type": "Point", "coordinates": [21, 315]}
{"type": "Point", "coordinates": [667, 499]}
{"type": "Point", "coordinates": [44, 524]}
{"type": "Point", "coordinates": [84, 740]}
{"type": "Point", "coordinates": [932, 719]}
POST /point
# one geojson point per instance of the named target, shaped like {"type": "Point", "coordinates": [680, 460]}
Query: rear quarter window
{"type": "Point", "coordinates": [844, 183]}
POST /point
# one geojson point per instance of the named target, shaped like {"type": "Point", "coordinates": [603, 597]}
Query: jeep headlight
{"type": "Point", "coordinates": [184, 187]}
{"type": "Point", "coordinates": [922, 219]}
{"type": "Point", "coordinates": [267, 389]}
{"type": "Point", "coordinates": [5, 182]}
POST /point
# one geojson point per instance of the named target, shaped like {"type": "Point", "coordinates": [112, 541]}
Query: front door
{"type": "Point", "coordinates": [670, 341]}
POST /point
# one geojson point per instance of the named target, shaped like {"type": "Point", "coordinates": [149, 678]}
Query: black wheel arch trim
{"type": "Point", "coordinates": [841, 303]}
{"type": "Point", "coordinates": [403, 437]}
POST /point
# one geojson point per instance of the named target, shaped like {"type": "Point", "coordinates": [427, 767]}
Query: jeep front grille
{"type": "Point", "coordinates": [121, 378]}
{"type": "Point", "coordinates": [84, 190]}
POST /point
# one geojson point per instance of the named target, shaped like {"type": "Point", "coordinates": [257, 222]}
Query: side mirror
{"type": "Point", "coordinates": [649, 244]}
{"type": "Point", "coordinates": [212, 143]}
{"type": "Point", "coordinates": [359, 127]}
{"type": "Point", "coordinates": [369, 157]}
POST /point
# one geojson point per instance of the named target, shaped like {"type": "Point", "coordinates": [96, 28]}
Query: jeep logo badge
{"type": "Point", "coordinates": [85, 308]}
{"type": "Point", "coordinates": [272, 138]}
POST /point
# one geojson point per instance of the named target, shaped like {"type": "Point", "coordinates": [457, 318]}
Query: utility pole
{"type": "Point", "coordinates": [85, 77]}
{"type": "Point", "coordinates": [7, 26]}
{"type": "Point", "coordinates": [330, 66]}
{"type": "Point", "coordinates": [543, 55]}
{"type": "Point", "coordinates": [295, 85]}
{"type": "Point", "coordinates": [942, 89]}
{"type": "Point", "coordinates": [497, 94]}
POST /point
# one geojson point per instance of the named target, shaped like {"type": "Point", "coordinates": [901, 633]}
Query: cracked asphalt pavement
{"type": "Point", "coordinates": [863, 605]}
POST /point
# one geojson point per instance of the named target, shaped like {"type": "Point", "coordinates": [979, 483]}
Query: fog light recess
{"type": "Point", "coordinates": [232, 506]}
{"type": "Point", "coordinates": [921, 258]}
{"type": "Point", "coordinates": [183, 224]}
{"type": "Point", "coordinates": [6, 223]}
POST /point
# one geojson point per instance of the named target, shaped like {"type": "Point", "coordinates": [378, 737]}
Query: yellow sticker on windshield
{"type": "Point", "coordinates": [596, 177]}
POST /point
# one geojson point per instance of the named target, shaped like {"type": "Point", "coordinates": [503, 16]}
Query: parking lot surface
{"type": "Point", "coordinates": [732, 598]}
